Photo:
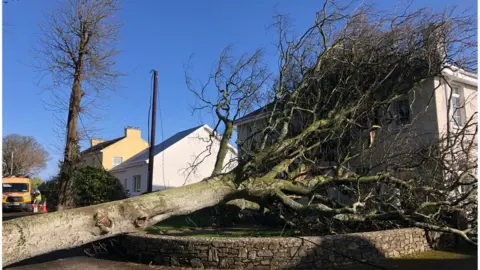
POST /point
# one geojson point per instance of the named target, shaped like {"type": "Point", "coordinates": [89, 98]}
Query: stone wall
{"type": "Point", "coordinates": [273, 253]}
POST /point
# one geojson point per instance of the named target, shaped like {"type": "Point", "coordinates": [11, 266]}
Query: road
{"type": "Point", "coordinates": [14, 214]}
{"type": "Point", "coordinates": [72, 259]}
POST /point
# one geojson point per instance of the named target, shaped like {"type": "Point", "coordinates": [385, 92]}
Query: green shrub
{"type": "Point", "coordinates": [49, 190]}
{"type": "Point", "coordinates": [91, 186]}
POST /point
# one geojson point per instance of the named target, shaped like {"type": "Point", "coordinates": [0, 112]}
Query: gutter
{"type": "Point", "coordinates": [459, 75]}
{"type": "Point", "coordinates": [142, 162]}
{"type": "Point", "coordinates": [251, 119]}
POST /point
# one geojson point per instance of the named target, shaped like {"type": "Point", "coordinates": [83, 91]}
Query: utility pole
{"type": "Point", "coordinates": [152, 136]}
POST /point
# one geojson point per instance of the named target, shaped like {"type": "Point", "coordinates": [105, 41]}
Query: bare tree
{"type": "Point", "coordinates": [237, 88]}
{"type": "Point", "coordinates": [77, 50]}
{"type": "Point", "coordinates": [347, 132]}
{"type": "Point", "coordinates": [22, 156]}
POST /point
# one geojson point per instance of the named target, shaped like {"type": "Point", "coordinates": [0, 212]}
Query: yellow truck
{"type": "Point", "coordinates": [16, 193]}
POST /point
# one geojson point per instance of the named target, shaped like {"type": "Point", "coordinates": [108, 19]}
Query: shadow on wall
{"type": "Point", "coordinates": [376, 250]}
{"type": "Point", "coordinates": [358, 253]}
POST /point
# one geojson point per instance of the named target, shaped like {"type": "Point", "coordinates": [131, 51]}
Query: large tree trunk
{"type": "Point", "coordinates": [65, 197]}
{"type": "Point", "coordinates": [75, 227]}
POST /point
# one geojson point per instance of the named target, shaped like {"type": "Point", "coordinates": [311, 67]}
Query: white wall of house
{"type": "Point", "coordinates": [171, 166]}
{"type": "Point", "coordinates": [468, 95]}
{"type": "Point", "coordinates": [126, 177]}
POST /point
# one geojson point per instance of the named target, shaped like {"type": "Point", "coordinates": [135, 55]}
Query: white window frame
{"type": "Point", "coordinates": [456, 111]}
{"type": "Point", "coordinates": [113, 161]}
{"type": "Point", "coordinates": [462, 189]}
{"type": "Point", "coordinates": [137, 183]}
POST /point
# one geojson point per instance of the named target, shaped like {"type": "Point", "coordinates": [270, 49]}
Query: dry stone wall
{"type": "Point", "coordinates": [274, 253]}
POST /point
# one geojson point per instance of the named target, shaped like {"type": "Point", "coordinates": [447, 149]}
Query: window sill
{"type": "Point", "coordinates": [455, 127]}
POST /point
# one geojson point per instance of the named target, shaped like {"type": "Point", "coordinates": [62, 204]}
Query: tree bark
{"type": "Point", "coordinates": [223, 150]}
{"type": "Point", "coordinates": [65, 197]}
{"type": "Point", "coordinates": [75, 227]}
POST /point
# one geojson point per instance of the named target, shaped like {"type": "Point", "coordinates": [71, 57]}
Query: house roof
{"type": "Point", "coordinates": [144, 155]}
{"type": "Point", "coordinates": [450, 71]}
{"type": "Point", "coordinates": [255, 115]}
{"type": "Point", "coordinates": [101, 146]}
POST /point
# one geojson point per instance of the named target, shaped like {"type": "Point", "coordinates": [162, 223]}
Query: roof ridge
{"type": "Point", "coordinates": [157, 149]}
{"type": "Point", "coordinates": [102, 145]}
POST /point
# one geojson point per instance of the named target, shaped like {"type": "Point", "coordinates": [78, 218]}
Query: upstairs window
{"type": "Point", "coordinates": [116, 161]}
{"type": "Point", "coordinates": [402, 111]}
{"type": "Point", "coordinates": [456, 107]}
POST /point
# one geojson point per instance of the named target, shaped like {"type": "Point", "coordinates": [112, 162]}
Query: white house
{"type": "Point", "coordinates": [185, 158]}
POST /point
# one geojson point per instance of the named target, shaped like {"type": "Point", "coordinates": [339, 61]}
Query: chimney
{"type": "Point", "coordinates": [132, 132]}
{"type": "Point", "coordinates": [434, 37]}
{"type": "Point", "coordinates": [95, 141]}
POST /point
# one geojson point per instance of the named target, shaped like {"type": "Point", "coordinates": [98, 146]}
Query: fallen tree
{"type": "Point", "coordinates": [330, 114]}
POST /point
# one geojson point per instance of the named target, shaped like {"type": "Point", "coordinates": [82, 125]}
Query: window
{"type": "Point", "coordinates": [466, 188]}
{"type": "Point", "coordinates": [402, 111]}
{"type": "Point", "coordinates": [15, 187]}
{"type": "Point", "coordinates": [456, 107]}
{"type": "Point", "coordinates": [137, 183]}
{"type": "Point", "coordinates": [116, 161]}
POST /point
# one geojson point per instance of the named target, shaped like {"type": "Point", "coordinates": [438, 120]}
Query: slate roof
{"type": "Point", "coordinates": [101, 146]}
{"type": "Point", "coordinates": [255, 114]}
{"type": "Point", "coordinates": [144, 155]}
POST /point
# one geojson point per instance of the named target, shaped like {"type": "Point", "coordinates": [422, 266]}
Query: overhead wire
{"type": "Point", "coordinates": [161, 127]}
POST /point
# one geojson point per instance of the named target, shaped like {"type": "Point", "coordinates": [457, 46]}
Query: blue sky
{"type": "Point", "coordinates": [159, 35]}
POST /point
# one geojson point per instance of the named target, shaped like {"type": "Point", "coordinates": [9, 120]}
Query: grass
{"type": "Point", "coordinates": [201, 224]}
{"type": "Point", "coordinates": [213, 232]}
{"type": "Point", "coordinates": [444, 254]}
{"type": "Point", "coordinates": [461, 258]}
{"type": "Point", "coordinates": [246, 233]}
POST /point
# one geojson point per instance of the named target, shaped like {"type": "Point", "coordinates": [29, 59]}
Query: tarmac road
{"type": "Point", "coordinates": [87, 263]}
{"type": "Point", "coordinates": [14, 214]}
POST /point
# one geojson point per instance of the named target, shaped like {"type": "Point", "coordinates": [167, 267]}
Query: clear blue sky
{"type": "Point", "coordinates": [157, 35]}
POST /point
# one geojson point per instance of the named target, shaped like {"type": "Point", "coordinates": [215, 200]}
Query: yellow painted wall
{"type": "Point", "coordinates": [126, 148]}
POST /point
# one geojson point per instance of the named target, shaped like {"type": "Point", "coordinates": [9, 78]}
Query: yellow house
{"type": "Point", "coordinates": [109, 154]}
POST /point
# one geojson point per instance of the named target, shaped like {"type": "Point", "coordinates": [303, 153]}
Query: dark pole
{"type": "Point", "coordinates": [152, 140]}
